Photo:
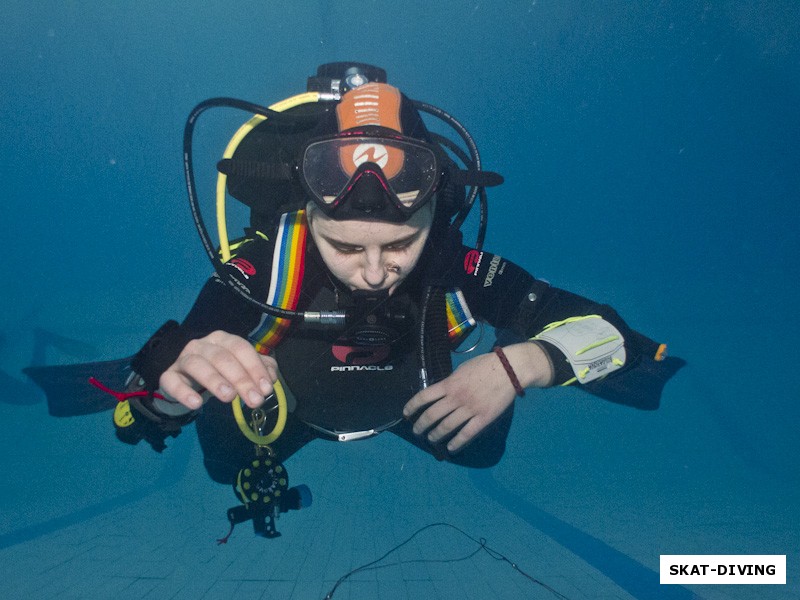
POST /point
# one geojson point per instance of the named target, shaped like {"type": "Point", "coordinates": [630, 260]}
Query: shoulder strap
{"type": "Point", "coordinates": [288, 266]}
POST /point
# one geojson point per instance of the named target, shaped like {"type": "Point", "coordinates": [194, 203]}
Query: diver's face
{"type": "Point", "coordinates": [370, 255]}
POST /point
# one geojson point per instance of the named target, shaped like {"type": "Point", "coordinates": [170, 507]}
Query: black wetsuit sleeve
{"type": "Point", "coordinates": [520, 306]}
{"type": "Point", "coordinates": [217, 307]}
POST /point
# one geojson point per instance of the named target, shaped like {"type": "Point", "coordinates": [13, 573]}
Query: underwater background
{"type": "Point", "coordinates": [650, 151]}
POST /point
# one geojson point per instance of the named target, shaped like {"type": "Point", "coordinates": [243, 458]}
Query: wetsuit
{"type": "Point", "coordinates": [338, 385]}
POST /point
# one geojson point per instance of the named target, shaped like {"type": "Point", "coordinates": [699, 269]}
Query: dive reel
{"type": "Point", "coordinates": [263, 484]}
{"type": "Point", "coordinates": [263, 488]}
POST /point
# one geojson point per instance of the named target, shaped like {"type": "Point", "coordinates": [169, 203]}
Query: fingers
{"type": "Point", "coordinates": [458, 426]}
{"type": "Point", "coordinates": [433, 416]}
{"type": "Point", "coordinates": [465, 435]}
{"type": "Point", "coordinates": [439, 418]}
{"type": "Point", "coordinates": [457, 409]}
{"type": "Point", "coordinates": [422, 399]}
{"type": "Point", "coordinates": [448, 425]}
{"type": "Point", "coordinates": [224, 364]}
{"type": "Point", "coordinates": [180, 388]}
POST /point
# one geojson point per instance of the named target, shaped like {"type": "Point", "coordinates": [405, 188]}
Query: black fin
{"type": "Point", "coordinates": [69, 392]}
{"type": "Point", "coordinates": [640, 387]}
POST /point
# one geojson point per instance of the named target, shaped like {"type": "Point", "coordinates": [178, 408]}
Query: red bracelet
{"type": "Point", "coordinates": [507, 366]}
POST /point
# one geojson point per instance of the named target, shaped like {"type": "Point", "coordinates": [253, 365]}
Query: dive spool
{"type": "Point", "coordinates": [263, 488]}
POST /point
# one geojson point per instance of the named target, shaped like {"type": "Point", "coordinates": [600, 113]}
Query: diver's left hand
{"type": "Point", "coordinates": [475, 395]}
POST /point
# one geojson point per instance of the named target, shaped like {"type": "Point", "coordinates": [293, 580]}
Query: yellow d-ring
{"type": "Point", "coordinates": [262, 440]}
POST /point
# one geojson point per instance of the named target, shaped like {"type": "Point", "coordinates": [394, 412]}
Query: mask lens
{"type": "Point", "coordinates": [409, 170]}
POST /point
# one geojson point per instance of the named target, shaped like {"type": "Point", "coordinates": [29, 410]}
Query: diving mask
{"type": "Point", "coordinates": [370, 172]}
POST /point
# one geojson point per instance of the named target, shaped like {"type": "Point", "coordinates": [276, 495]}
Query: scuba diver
{"type": "Point", "coordinates": [334, 317]}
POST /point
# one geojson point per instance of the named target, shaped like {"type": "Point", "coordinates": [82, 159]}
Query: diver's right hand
{"type": "Point", "coordinates": [225, 365]}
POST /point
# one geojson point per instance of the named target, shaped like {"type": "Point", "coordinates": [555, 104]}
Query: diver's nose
{"type": "Point", "coordinates": [374, 270]}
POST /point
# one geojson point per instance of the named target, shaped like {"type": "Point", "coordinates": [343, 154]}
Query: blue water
{"type": "Point", "coordinates": [651, 162]}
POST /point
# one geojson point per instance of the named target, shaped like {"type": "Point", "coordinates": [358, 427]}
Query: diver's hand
{"type": "Point", "coordinates": [475, 395]}
{"type": "Point", "coordinates": [225, 365]}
